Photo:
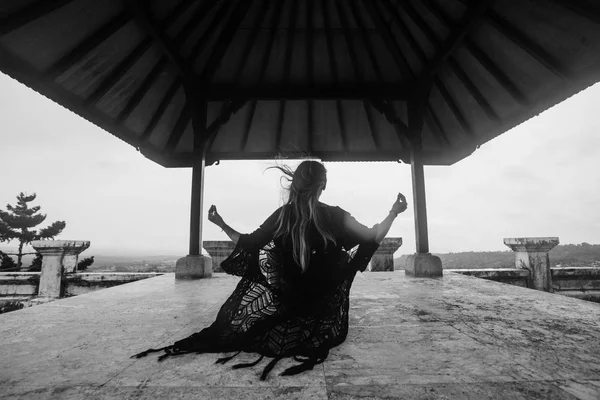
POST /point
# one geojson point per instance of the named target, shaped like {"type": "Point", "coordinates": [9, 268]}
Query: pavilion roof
{"type": "Point", "coordinates": [334, 79]}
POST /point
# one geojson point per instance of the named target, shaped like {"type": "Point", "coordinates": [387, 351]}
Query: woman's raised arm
{"type": "Point", "coordinates": [377, 232]}
{"type": "Point", "coordinates": [215, 218]}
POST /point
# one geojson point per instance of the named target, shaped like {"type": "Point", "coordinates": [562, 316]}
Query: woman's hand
{"type": "Point", "coordinates": [400, 205]}
{"type": "Point", "coordinates": [214, 217]}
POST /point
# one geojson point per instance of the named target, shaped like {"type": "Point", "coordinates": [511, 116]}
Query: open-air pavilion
{"type": "Point", "coordinates": [192, 82]}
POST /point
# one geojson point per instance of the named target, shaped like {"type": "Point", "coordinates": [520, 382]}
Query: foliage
{"type": "Point", "coordinates": [85, 263]}
{"type": "Point", "coordinates": [36, 263]}
{"type": "Point", "coordinates": [11, 306]}
{"type": "Point", "coordinates": [16, 224]}
{"type": "Point", "coordinates": [7, 263]}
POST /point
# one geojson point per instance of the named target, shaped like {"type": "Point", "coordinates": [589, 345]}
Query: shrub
{"type": "Point", "coordinates": [85, 263]}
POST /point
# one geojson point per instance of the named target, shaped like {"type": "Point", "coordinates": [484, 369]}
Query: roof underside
{"type": "Point", "coordinates": [333, 79]}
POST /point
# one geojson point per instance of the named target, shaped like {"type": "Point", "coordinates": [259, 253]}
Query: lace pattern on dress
{"type": "Point", "coordinates": [270, 315]}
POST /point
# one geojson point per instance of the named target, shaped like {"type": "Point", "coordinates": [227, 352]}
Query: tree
{"type": "Point", "coordinates": [15, 224]}
{"type": "Point", "coordinates": [85, 263]}
{"type": "Point", "coordinates": [7, 263]}
{"type": "Point", "coordinates": [36, 263]}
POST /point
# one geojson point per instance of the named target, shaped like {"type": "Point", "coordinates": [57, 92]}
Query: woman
{"type": "Point", "coordinates": [296, 270]}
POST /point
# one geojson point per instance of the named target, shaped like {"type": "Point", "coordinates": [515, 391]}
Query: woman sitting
{"type": "Point", "coordinates": [296, 271]}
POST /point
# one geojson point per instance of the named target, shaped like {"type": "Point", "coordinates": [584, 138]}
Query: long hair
{"type": "Point", "coordinates": [301, 212]}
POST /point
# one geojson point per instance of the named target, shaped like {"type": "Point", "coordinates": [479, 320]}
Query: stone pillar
{"type": "Point", "coordinates": [219, 250]}
{"type": "Point", "coordinates": [60, 256]}
{"type": "Point", "coordinates": [422, 264]}
{"type": "Point", "coordinates": [532, 254]}
{"type": "Point", "coordinates": [198, 263]}
{"type": "Point", "coordinates": [383, 259]}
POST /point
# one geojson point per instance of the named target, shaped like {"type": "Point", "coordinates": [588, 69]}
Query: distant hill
{"type": "Point", "coordinates": [569, 255]}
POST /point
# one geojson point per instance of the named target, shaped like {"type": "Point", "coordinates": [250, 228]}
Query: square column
{"type": "Point", "coordinates": [422, 263]}
{"type": "Point", "coordinates": [197, 264]}
{"type": "Point", "coordinates": [383, 259]}
{"type": "Point", "coordinates": [59, 257]}
{"type": "Point", "coordinates": [532, 254]}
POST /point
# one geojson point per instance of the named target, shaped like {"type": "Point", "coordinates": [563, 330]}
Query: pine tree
{"type": "Point", "coordinates": [15, 224]}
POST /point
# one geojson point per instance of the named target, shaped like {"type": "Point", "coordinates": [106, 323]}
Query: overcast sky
{"type": "Point", "coordinates": [539, 179]}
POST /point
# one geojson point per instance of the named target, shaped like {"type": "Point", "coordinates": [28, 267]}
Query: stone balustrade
{"type": "Point", "coordinates": [59, 258]}
{"type": "Point", "coordinates": [383, 259]}
{"type": "Point", "coordinates": [219, 250]}
{"type": "Point", "coordinates": [532, 254]}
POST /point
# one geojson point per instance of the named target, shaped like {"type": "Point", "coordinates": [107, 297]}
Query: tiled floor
{"type": "Point", "coordinates": [456, 337]}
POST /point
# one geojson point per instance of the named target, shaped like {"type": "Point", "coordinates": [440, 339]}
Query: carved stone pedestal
{"type": "Point", "coordinates": [383, 259]}
{"type": "Point", "coordinates": [532, 254]}
{"type": "Point", "coordinates": [194, 267]}
{"type": "Point", "coordinates": [59, 257]}
{"type": "Point", "coordinates": [219, 250]}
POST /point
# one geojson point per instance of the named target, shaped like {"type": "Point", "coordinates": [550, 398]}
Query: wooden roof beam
{"type": "Point", "coordinates": [388, 39]}
{"type": "Point", "coordinates": [29, 14]}
{"type": "Point", "coordinates": [249, 45]}
{"type": "Point", "coordinates": [465, 26]}
{"type": "Point", "coordinates": [533, 49]}
{"type": "Point", "coordinates": [120, 70]}
{"type": "Point", "coordinates": [469, 85]}
{"type": "Point", "coordinates": [588, 11]}
{"type": "Point", "coordinates": [360, 91]}
{"type": "Point", "coordinates": [436, 122]}
{"type": "Point", "coordinates": [275, 17]}
{"type": "Point", "coordinates": [362, 29]}
{"type": "Point", "coordinates": [142, 89]}
{"type": "Point", "coordinates": [185, 117]}
{"type": "Point", "coordinates": [88, 44]}
{"type": "Point", "coordinates": [402, 130]}
{"type": "Point", "coordinates": [480, 56]}
{"type": "Point", "coordinates": [218, 18]}
{"type": "Point", "coordinates": [310, 120]}
{"type": "Point", "coordinates": [291, 32]}
{"type": "Point", "coordinates": [248, 124]}
{"type": "Point", "coordinates": [151, 26]}
{"type": "Point", "coordinates": [162, 107]}
{"type": "Point", "coordinates": [225, 39]}
{"type": "Point", "coordinates": [349, 38]}
{"type": "Point", "coordinates": [228, 110]}
{"type": "Point", "coordinates": [408, 36]}
{"type": "Point", "coordinates": [198, 16]}
{"type": "Point", "coordinates": [329, 42]}
{"type": "Point", "coordinates": [124, 66]}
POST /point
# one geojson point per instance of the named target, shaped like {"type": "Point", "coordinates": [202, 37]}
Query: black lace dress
{"type": "Point", "coordinates": [276, 310]}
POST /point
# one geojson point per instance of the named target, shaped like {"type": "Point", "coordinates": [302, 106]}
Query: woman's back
{"type": "Point", "coordinates": [296, 273]}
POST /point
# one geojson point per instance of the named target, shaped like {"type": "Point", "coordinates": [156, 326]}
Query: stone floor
{"type": "Point", "coordinates": [456, 337]}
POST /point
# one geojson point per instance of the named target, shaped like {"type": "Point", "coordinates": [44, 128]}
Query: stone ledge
{"type": "Point", "coordinates": [532, 244]}
{"type": "Point", "coordinates": [505, 273]}
{"type": "Point", "coordinates": [575, 271]}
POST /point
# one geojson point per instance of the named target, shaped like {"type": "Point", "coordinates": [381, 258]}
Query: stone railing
{"type": "Point", "coordinates": [59, 276]}
{"type": "Point", "coordinates": [583, 283]}
{"type": "Point", "coordinates": [26, 284]}
{"type": "Point", "coordinates": [219, 250]}
{"type": "Point", "coordinates": [532, 270]}
{"type": "Point", "coordinates": [383, 259]}
{"type": "Point", "coordinates": [59, 258]}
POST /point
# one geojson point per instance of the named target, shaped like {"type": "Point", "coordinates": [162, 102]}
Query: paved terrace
{"type": "Point", "coordinates": [450, 338]}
